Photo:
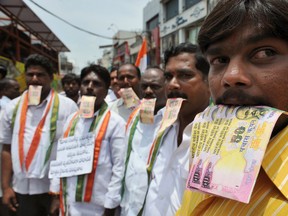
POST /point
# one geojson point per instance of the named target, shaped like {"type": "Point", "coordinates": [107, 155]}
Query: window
{"type": "Point", "coordinates": [171, 9]}
{"type": "Point", "coordinates": [190, 3]}
{"type": "Point", "coordinates": [192, 35]}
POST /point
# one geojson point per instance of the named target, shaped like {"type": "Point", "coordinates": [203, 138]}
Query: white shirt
{"type": "Point", "coordinates": [109, 172]}
{"type": "Point", "coordinates": [3, 101]}
{"type": "Point", "coordinates": [170, 173]}
{"type": "Point", "coordinates": [119, 107]}
{"type": "Point", "coordinates": [111, 97]}
{"type": "Point", "coordinates": [34, 115]}
{"type": "Point", "coordinates": [136, 175]}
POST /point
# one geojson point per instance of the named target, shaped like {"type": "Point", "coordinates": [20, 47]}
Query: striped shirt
{"type": "Point", "coordinates": [269, 197]}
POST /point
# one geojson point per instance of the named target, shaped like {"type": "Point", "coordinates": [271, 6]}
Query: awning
{"type": "Point", "coordinates": [19, 11]}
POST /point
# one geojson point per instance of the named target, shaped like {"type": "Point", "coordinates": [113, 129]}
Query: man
{"type": "Point", "coordinates": [9, 89]}
{"type": "Point", "coordinates": [128, 76]}
{"type": "Point", "coordinates": [102, 190]}
{"type": "Point", "coordinates": [114, 87]}
{"type": "Point", "coordinates": [71, 86]}
{"type": "Point", "coordinates": [3, 72]}
{"type": "Point", "coordinates": [28, 134]}
{"type": "Point", "coordinates": [139, 138]}
{"type": "Point", "coordinates": [186, 73]}
{"type": "Point", "coordinates": [248, 56]}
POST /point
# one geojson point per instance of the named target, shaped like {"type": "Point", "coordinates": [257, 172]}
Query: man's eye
{"type": "Point", "coordinates": [264, 53]}
{"type": "Point", "coordinates": [219, 60]}
{"type": "Point", "coordinates": [185, 76]}
{"type": "Point", "coordinates": [168, 76]}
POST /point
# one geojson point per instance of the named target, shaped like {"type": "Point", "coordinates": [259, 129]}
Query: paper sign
{"type": "Point", "coordinates": [147, 111]}
{"type": "Point", "coordinates": [173, 106]}
{"type": "Point", "coordinates": [74, 156]}
{"type": "Point", "coordinates": [228, 146]}
{"type": "Point", "coordinates": [34, 94]}
{"type": "Point", "coordinates": [129, 97]}
{"type": "Point", "coordinates": [87, 106]}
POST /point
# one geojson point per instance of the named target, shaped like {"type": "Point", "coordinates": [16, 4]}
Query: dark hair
{"type": "Point", "coordinates": [70, 77]}
{"type": "Point", "coordinates": [201, 63]}
{"type": "Point", "coordinates": [6, 83]}
{"type": "Point", "coordinates": [114, 68]}
{"type": "Point", "coordinates": [269, 17]}
{"type": "Point", "coordinates": [99, 71]}
{"type": "Point", "coordinates": [136, 68]}
{"type": "Point", "coordinates": [3, 71]}
{"type": "Point", "coordinates": [39, 60]}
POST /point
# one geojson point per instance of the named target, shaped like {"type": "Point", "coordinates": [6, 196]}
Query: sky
{"type": "Point", "coordinates": [104, 17]}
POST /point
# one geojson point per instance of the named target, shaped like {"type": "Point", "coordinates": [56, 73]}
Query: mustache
{"type": "Point", "coordinates": [242, 97]}
{"type": "Point", "coordinates": [177, 95]}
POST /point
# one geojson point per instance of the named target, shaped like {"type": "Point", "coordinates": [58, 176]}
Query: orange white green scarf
{"type": "Point", "coordinates": [85, 182]}
{"type": "Point", "coordinates": [34, 163]}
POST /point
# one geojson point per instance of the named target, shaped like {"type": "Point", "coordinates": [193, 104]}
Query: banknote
{"type": "Point", "coordinates": [87, 106]}
{"type": "Point", "coordinates": [129, 97]}
{"type": "Point", "coordinates": [147, 110]}
{"type": "Point", "coordinates": [227, 148]}
{"type": "Point", "coordinates": [173, 106]}
{"type": "Point", "coordinates": [34, 94]}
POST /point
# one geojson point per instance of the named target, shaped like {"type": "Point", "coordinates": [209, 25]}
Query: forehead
{"type": "Point", "coordinates": [113, 73]}
{"type": "Point", "coordinates": [36, 69]}
{"type": "Point", "coordinates": [127, 69]}
{"type": "Point", "coordinates": [181, 61]}
{"type": "Point", "coordinates": [152, 75]}
{"type": "Point", "coordinates": [240, 38]}
{"type": "Point", "coordinates": [92, 77]}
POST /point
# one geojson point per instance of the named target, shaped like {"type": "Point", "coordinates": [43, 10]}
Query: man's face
{"type": "Point", "coordinates": [93, 85]}
{"type": "Point", "coordinates": [248, 68]}
{"type": "Point", "coordinates": [13, 91]}
{"type": "Point", "coordinates": [184, 80]}
{"type": "Point", "coordinates": [127, 77]}
{"type": "Point", "coordinates": [114, 82]}
{"type": "Point", "coordinates": [71, 88]}
{"type": "Point", "coordinates": [37, 75]}
{"type": "Point", "coordinates": [153, 86]}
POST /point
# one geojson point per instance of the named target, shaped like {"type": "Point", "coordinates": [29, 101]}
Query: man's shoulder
{"type": "Point", "coordinates": [66, 100]}
{"type": "Point", "coordinates": [116, 117]}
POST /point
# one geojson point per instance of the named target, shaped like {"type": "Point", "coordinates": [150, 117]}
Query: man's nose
{"type": "Point", "coordinates": [173, 84]}
{"type": "Point", "coordinates": [90, 85]}
{"type": "Point", "coordinates": [34, 77]}
{"type": "Point", "coordinates": [236, 74]}
{"type": "Point", "coordinates": [148, 91]}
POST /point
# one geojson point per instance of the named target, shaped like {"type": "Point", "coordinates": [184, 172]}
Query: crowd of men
{"type": "Point", "coordinates": [140, 159]}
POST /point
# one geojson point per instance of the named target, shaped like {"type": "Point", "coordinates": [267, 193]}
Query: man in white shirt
{"type": "Point", "coordinates": [29, 134]}
{"type": "Point", "coordinates": [114, 87]}
{"type": "Point", "coordinates": [186, 73]}
{"type": "Point", "coordinates": [139, 138]}
{"type": "Point", "coordinates": [100, 190]}
{"type": "Point", "coordinates": [128, 76]}
{"type": "Point", "coordinates": [9, 89]}
{"type": "Point", "coordinates": [71, 87]}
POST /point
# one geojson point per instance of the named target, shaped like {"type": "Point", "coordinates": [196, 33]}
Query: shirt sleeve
{"type": "Point", "coordinates": [118, 151]}
{"type": "Point", "coordinates": [6, 122]}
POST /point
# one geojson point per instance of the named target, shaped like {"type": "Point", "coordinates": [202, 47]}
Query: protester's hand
{"type": "Point", "coordinates": [109, 212]}
{"type": "Point", "coordinates": [9, 199]}
{"type": "Point", "coordinates": [55, 204]}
